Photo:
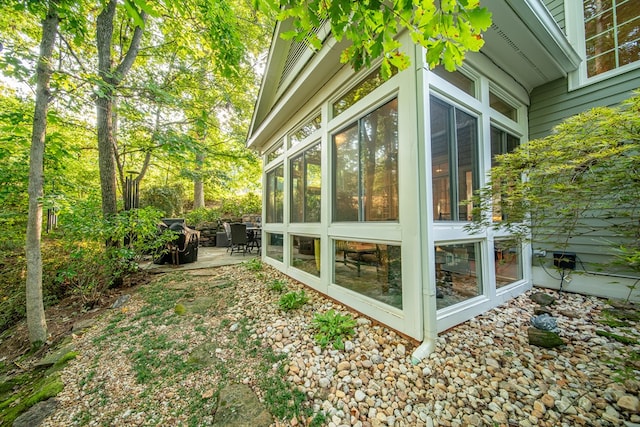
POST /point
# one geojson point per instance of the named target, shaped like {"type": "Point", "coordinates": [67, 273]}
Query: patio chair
{"type": "Point", "coordinates": [238, 238]}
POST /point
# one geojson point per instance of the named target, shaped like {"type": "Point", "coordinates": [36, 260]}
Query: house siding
{"type": "Point", "coordinates": [550, 105]}
{"type": "Point", "coordinates": [553, 102]}
{"type": "Point", "coordinates": [556, 7]}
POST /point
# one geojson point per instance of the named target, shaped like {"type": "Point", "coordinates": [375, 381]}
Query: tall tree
{"type": "Point", "coordinates": [36, 320]}
{"type": "Point", "coordinates": [110, 77]}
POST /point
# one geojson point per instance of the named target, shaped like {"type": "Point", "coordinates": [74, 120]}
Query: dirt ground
{"type": "Point", "coordinates": [61, 319]}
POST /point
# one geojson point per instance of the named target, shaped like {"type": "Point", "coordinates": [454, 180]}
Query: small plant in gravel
{"type": "Point", "coordinates": [293, 300]}
{"type": "Point", "coordinates": [333, 328]}
{"type": "Point", "coordinates": [254, 264]}
{"type": "Point", "coordinates": [277, 285]}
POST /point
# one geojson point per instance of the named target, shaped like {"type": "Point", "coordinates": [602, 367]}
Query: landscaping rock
{"type": "Point", "coordinates": [121, 301]}
{"type": "Point", "coordinates": [544, 322]}
{"type": "Point", "coordinates": [238, 406]}
{"type": "Point", "coordinates": [542, 299]}
{"type": "Point", "coordinates": [36, 414]}
{"type": "Point", "coordinates": [546, 339]}
{"type": "Point", "coordinates": [51, 359]}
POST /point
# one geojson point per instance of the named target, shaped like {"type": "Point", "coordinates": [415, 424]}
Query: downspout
{"type": "Point", "coordinates": [425, 205]}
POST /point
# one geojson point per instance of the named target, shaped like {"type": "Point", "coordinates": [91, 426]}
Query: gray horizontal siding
{"type": "Point", "coordinates": [556, 7]}
{"type": "Point", "coordinates": [552, 103]}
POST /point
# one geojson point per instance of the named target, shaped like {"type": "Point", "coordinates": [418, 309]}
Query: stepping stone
{"type": "Point", "coordinates": [36, 414]}
{"type": "Point", "coordinates": [238, 406]}
{"type": "Point", "coordinates": [546, 339]}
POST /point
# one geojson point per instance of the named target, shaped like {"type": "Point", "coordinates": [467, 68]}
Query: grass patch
{"type": "Point", "coordinates": [20, 393]}
{"type": "Point", "coordinates": [616, 337]}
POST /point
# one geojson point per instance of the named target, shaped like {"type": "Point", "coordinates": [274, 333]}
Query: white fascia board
{"type": "Point", "coordinates": [546, 30]}
{"type": "Point", "coordinates": [318, 71]}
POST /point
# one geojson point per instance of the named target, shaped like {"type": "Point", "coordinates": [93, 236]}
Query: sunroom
{"type": "Point", "coordinates": [366, 180]}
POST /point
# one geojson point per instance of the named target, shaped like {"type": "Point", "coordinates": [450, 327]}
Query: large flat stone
{"type": "Point", "coordinates": [238, 406]}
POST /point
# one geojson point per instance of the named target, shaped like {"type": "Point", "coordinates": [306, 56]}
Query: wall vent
{"type": "Point", "coordinates": [517, 50]}
{"type": "Point", "coordinates": [296, 51]}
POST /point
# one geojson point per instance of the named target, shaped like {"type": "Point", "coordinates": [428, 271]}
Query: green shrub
{"type": "Point", "coordinates": [293, 300]}
{"type": "Point", "coordinates": [333, 328]}
{"type": "Point", "coordinates": [277, 285]}
{"type": "Point", "coordinates": [168, 199]}
{"type": "Point", "coordinates": [200, 216]}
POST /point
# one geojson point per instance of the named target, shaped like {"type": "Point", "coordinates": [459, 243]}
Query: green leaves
{"type": "Point", "coordinates": [447, 31]}
{"type": "Point", "coordinates": [582, 181]}
{"type": "Point", "coordinates": [333, 328]}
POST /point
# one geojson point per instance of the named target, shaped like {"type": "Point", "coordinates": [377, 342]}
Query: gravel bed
{"type": "Point", "coordinates": [483, 372]}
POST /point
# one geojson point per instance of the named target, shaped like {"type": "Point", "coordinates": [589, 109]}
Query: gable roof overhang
{"type": "Point", "coordinates": [293, 74]}
{"type": "Point", "coordinates": [524, 41]}
{"type": "Point", "coordinates": [527, 43]}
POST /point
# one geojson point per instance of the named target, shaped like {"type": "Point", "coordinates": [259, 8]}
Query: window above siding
{"type": "Point", "coordinates": [607, 32]}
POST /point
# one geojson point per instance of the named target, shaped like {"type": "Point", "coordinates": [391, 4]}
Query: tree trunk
{"type": "Point", "coordinates": [36, 321]}
{"type": "Point", "coordinates": [110, 78]}
{"type": "Point", "coordinates": [104, 114]}
{"type": "Point", "coordinates": [198, 184]}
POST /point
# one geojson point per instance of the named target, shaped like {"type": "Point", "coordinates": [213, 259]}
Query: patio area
{"type": "Point", "coordinates": [207, 257]}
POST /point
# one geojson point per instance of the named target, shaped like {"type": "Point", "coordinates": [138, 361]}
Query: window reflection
{"type": "Point", "coordinates": [508, 262]}
{"type": "Point", "coordinates": [457, 273]}
{"type": "Point", "coordinates": [371, 269]}
{"type": "Point", "coordinates": [366, 172]}
{"type": "Point", "coordinates": [305, 186]}
{"type": "Point", "coordinates": [275, 195]}
{"type": "Point", "coordinates": [306, 254]}
{"type": "Point", "coordinates": [274, 245]}
{"type": "Point", "coordinates": [612, 30]}
{"type": "Point", "coordinates": [454, 161]}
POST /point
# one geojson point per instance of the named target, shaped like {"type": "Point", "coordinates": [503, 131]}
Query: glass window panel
{"type": "Point", "coordinates": [366, 172]}
{"type": "Point", "coordinates": [277, 152]}
{"type": "Point", "coordinates": [457, 79]}
{"type": "Point", "coordinates": [596, 7]}
{"type": "Point", "coordinates": [297, 188]}
{"type": "Point", "coordinates": [306, 130]}
{"type": "Point", "coordinates": [601, 64]}
{"type": "Point", "coordinates": [370, 269]}
{"type": "Point", "coordinates": [379, 134]}
{"type": "Point", "coordinates": [305, 186]}
{"type": "Point", "coordinates": [612, 33]}
{"type": "Point", "coordinates": [458, 275]}
{"type": "Point", "coordinates": [601, 23]}
{"type": "Point", "coordinates": [313, 180]}
{"type": "Point", "coordinates": [501, 143]}
{"type": "Point", "coordinates": [507, 262]}
{"type": "Point", "coordinates": [440, 137]}
{"type": "Point", "coordinates": [347, 161]}
{"type": "Point", "coordinates": [467, 137]}
{"type": "Point", "coordinates": [626, 11]}
{"type": "Point", "coordinates": [502, 106]}
{"type": "Point", "coordinates": [362, 89]}
{"type": "Point", "coordinates": [599, 44]}
{"type": "Point", "coordinates": [629, 52]}
{"type": "Point", "coordinates": [305, 252]}
{"type": "Point", "coordinates": [274, 245]}
{"type": "Point", "coordinates": [275, 195]}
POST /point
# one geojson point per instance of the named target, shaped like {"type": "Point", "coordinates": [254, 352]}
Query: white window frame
{"type": "Point", "coordinates": [574, 19]}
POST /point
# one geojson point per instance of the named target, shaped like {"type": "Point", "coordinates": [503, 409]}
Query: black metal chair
{"type": "Point", "coordinates": [254, 239]}
{"type": "Point", "coordinates": [238, 238]}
